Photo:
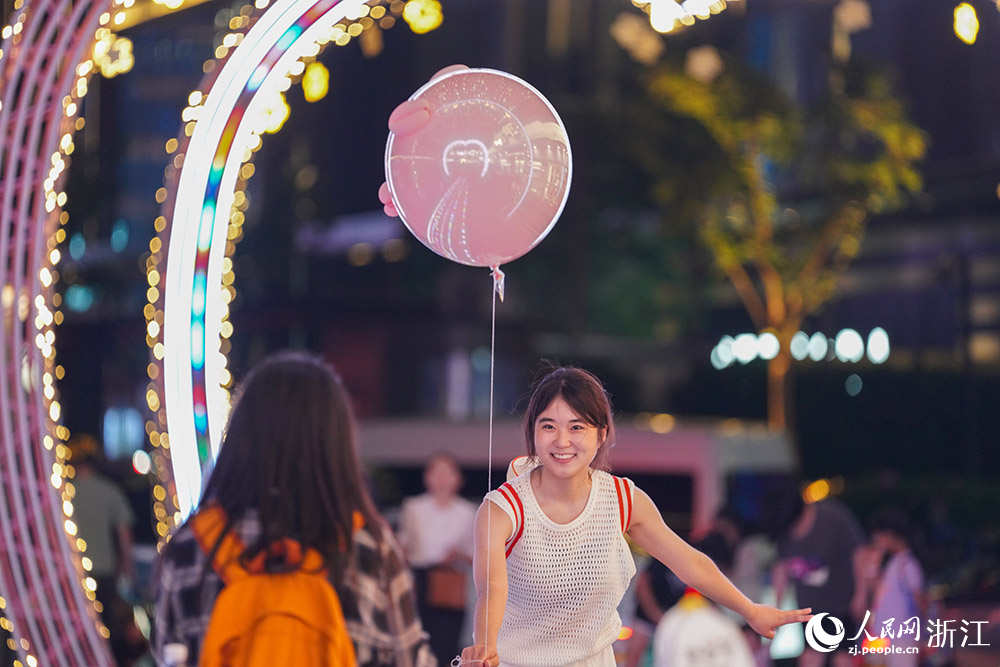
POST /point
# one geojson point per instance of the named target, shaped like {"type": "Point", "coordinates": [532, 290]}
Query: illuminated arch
{"type": "Point", "coordinates": [45, 62]}
{"type": "Point", "coordinates": [43, 75]}
{"type": "Point", "coordinates": [187, 314]}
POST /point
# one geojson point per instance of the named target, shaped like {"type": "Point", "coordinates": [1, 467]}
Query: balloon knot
{"type": "Point", "coordinates": [498, 280]}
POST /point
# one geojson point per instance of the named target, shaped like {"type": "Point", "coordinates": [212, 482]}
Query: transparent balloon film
{"type": "Point", "coordinates": [486, 179]}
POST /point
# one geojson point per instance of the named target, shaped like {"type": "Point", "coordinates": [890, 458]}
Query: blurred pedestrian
{"type": "Point", "coordinates": [104, 521]}
{"type": "Point", "coordinates": [657, 589]}
{"type": "Point", "coordinates": [818, 551]}
{"type": "Point", "coordinates": [288, 485]}
{"type": "Point", "coordinates": [436, 534]}
{"type": "Point", "coordinates": [899, 594]}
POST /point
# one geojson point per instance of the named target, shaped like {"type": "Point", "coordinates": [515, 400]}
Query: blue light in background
{"type": "Point", "coordinates": [77, 246]}
{"type": "Point", "coordinates": [120, 235]}
{"type": "Point", "coordinates": [123, 432]}
{"type": "Point", "coordinates": [79, 298]}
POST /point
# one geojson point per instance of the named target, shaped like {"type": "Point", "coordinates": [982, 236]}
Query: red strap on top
{"type": "Point", "coordinates": [628, 497]}
{"type": "Point", "coordinates": [624, 491]}
{"type": "Point", "coordinates": [510, 495]}
{"type": "Point", "coordinates": [621, 504]}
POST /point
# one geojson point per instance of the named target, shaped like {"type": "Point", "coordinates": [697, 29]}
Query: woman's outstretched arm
{"type": "Point", "coordinates": [493, 527]}
{"type": "Point", "coordinates": [697, 570]}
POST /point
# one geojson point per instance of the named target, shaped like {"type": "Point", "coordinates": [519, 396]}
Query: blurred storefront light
{"type": "Point", "coordinates": [847, 347]}
{"type": "Point", "coordinates": [878, 346]}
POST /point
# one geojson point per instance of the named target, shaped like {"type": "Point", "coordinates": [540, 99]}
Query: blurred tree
{"type": "Point", "coordinates": [610, 266]}
{"type": "Point", "coordinates": [782, 194]}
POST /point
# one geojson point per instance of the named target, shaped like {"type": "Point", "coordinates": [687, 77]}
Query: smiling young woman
{"type": "Point", "coordinates": [551, 559]}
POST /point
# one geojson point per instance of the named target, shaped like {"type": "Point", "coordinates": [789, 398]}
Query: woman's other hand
{"type": "Point", "coordinates": [765, 619]}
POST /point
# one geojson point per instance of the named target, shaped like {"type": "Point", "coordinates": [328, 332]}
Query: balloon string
{"type": "Point", "coordinates": [497, 287]}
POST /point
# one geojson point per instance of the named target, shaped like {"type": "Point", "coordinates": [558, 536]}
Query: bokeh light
{"type": "Point", "coordinates": [818, 347]}
{"type": "Point", "coordinates": [141, 462]}
{"type": "Point", "coordinates": [423, 15]}
{"type": "Point", "coordinates": [799, 346]}
{"type": "Point", "coordinates": [966, 23]}
{"type": "Point", "coordinates": [878, 345]}
{"type": "Point", "coordinates": [745, 348]}
{"type": "Point", "coordinates": [849, 346]}
{"type": "Point", "coordinates": [315, 82]}
{"type": "Point", "coordinates": [768, 346]}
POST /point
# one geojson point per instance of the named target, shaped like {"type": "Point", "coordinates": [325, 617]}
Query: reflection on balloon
{"type": "Point", "coordinates": [487, 176]}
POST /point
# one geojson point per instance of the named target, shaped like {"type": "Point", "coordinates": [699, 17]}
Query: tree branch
{"type": "Point", "coordinates": [748, 293]}
{"type": "Point", "coordinates": [833, 230]}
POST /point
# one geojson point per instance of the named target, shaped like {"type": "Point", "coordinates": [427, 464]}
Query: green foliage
{"type": "Point", "coordinates": [778, 195]}
{"type": "Point", "coordinates": [784, 210]}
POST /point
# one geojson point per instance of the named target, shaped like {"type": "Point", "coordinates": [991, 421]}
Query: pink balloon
{"type": "Point", "coordinates": [486, 177]}
{"type": "Point", "coordinates": [448, 70]}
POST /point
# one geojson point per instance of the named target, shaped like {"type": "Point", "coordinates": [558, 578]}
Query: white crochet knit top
{"type": "Point", "coordinates": [564, 581]}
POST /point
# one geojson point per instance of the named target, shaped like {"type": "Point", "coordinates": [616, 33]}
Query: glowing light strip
{"type": "Point", "coordinates": [196, 404]}
{"type": "Point", "coordinates": [52, 619]}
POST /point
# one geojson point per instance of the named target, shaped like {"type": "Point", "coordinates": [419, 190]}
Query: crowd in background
{"type": "Point", "coordinates": [801, 554]}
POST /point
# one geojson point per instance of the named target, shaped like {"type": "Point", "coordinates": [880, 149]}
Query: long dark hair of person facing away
{"type": "Point", "coordinates": [289, 454]}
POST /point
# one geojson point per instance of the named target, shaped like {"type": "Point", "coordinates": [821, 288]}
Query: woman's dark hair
{"type": "Point", "coordinates": [584, 394]}
{"type": "Point", "coordinates": [896, 521]}
{"type": "Point", "coordinates": [289, 455]}
{"type": "Point", "coordinates": [715, 546]}
{"type": "Point", "coordinates": [892, 520]}
{"type": "Point", "coordinates": [783, 505]}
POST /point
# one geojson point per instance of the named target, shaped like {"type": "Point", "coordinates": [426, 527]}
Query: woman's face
{"type": "Point", "coordinates": [442, 478]}
{"type": "Point", "coordinates": [564, 443]}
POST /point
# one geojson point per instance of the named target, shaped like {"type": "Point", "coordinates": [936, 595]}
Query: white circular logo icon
{"type": "Point", "coordinates": [821, 640]}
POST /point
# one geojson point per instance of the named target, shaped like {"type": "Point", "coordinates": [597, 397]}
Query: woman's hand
{"type": "Point", "coordinates": [765, 620]}
{"type": "Point", "coordinates": [479, 655]}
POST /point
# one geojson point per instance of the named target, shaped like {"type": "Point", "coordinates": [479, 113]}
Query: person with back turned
{"type": "Point", "coordinates": [285, 519]}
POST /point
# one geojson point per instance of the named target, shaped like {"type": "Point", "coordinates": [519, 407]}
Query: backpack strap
{"type": "Point", "coordinates": [514, 500]}
{"type": "Point", "coordinates": [207, 526]}
{"type": "Point", "coordinates": [623, 488]}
